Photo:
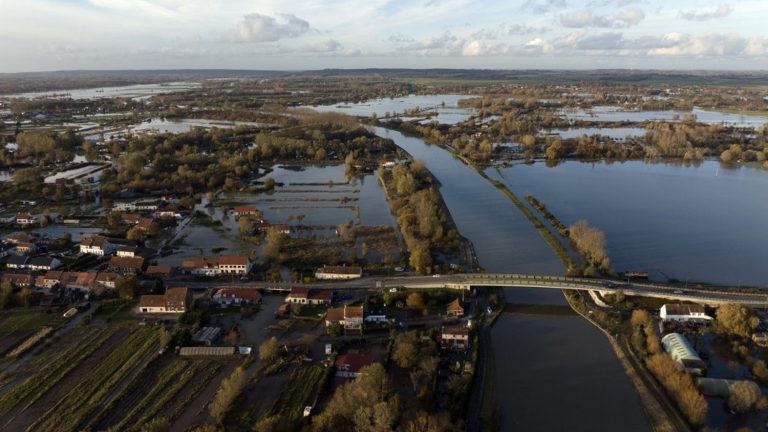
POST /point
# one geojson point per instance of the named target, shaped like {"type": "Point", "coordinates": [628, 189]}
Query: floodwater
{"type": "Point", "coordinates": [701, 222]}
{"type": "Point", "coordinates": [161, 125]}
{"type": "Point", "coordinates": [138, 91]}
{"type": "Point", "coordinates": [613, 133]}
{"type": "Point", "coordinates": [551, 373]}
{"type": "Point", "coordinates": [615, 114]}
{"type": "Point", "coordinates": [445, 105]}
{"type": "Point", "coordinates": [306, 199]}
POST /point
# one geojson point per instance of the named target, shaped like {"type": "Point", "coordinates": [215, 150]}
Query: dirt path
{"type": "Point", "coordinates": [61, 388]}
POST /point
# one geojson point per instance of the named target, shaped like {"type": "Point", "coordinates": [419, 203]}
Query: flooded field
{"type": "Point", "coordinates": [312, 200]}
{"type": "Point", "coordinates": [614, 133]}
{"type": "Point", "coordinates": [668, 234]}
{"type": "Point", "coordinates": [615, 114]}
{"type": "Point", "coordinates": [137, 92]}
{"type": "Point", "coordinates": [444, 105]}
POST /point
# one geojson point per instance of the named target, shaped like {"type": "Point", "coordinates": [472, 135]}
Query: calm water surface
{"type": "Point", "coordinates": [446, 106]}
{"type": "Point", "coordinates": [552, 373]}
{"type": "Point", "coordinates": [612, 113]}
{"type": "Point", "coordinates": [701, 223]}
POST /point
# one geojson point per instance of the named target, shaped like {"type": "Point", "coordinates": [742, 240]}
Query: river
{"type": "Point", "coordinates": [551, 373]}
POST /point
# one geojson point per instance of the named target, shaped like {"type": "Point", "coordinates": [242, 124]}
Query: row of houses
{"type": "Point", "coordinates": [83, 281]}
{"type": "Point", "coordinates": [40, 263]}
{"type": "Point", "coordinates": [23, 219]}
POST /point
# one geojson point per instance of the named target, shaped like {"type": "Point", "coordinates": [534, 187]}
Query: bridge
{"type": "Point", "coordinates": [712, 296]}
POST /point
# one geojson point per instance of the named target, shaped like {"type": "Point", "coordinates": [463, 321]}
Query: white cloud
{"type": "Point", "coordinates": [721, 11]}
{"type": "Point", "coordinates": [543, 6]}
{"type": "Point", "coordinates": [585, 18]}
{"type": "Point", "coordinates": [256, 27]}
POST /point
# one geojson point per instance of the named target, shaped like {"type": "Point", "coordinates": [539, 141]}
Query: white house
{"type": "Point", "coordinates": [684, 313]}
{"type": "Point", "coordinates": [96, 245]}
{"type": "Point", "coordinates": [339, 272]}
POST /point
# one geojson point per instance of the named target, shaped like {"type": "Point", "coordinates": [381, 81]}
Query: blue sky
{"type": "Point", "coordinates": [40, 35]}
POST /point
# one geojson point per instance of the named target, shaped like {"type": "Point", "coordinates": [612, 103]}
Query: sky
{"type": "Point", "coordinates": [44, 35]}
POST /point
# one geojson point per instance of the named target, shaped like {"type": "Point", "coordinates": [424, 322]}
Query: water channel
{"type": "Point", "coordinates": [551, 373]}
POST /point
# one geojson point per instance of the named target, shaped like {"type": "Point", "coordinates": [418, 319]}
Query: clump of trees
{"type": "Point", "coordinates": [736, 320]}
{"type": "Point", "coordinates": [746, 396]}
{"type": "Point", "coordinates": [225, 397]}
{"type": "Point", "coordinates": [366, 404]}
{"type": "Point", "coordinates": [680, 386]}
{"type": "Point", "coordinates": [590, 242]}
{"type": "Point", "coordinates": [422, 221]}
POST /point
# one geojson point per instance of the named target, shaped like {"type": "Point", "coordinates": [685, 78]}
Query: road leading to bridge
{"type": "Point", "coordinates": [708, 296]}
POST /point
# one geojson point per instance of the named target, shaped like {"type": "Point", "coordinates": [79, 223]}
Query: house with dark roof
{"type": "Point", "coordinates": [349, 365]}
{"type": "Point", "coordinates": [17, 262]}
{"type": "Point", "coordinates": [236, 296]}
{"type": "Point", "coordinates": [43, 263]}
{"type": "Point", "coordinates": [302, 295]}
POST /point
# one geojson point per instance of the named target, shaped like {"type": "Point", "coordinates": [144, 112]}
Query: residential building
{"type": "Point", "coordinates": [353, 317]}
{"type": "Point", "coordinates": [349, 317]}
{"type": "Point", "coordinates": [175, 300]}
{"type": "Point", "coordinates": [684, 313]}
{"type": "Point", "coordinates": [159, 272]}
{"type": "Point", "coordinates": [454, 338]}
{"type": "Point", "coordinates": [237, 296]}
{"type": "Point", "coordinates": [18, 280]}
{"type": "Point", "coordinates": [263, 226]}
{"type": "Point", "coordinates": [234, 264]}
{"type": "Point", "coordinates": [375, 314]}
{"type": "Point", "coordinates": [43, 263]}
{"type": "Point", "coordinates": [301, 295]}
{"type": "Point", "coordinates": [26, 219]}
{"type": "Point", "coordinates": [245, 211]}
{"type": "Point", "coordinates": [126, 265]}
{"type": "Point", "coordinates": [339, 272]}
{"type": "Point", "coordinates": [148, 225]}
{"type": "Point", "coordinates": [19, 237]}
{"type": "Point", "coordinates": [168, 213]}
{"type": "Point", "coordinates": [454, 309]}
{"type": "Point", "coordinates": [127, 251]}
{"type": "Point", "coordinates": [17, 262]}
{"type": "Point", "coordinates": [24, 248]}
{"type": "Point", "coordinates": [96, 245]}
{"type": "Point", "coordinates": [349, 365]}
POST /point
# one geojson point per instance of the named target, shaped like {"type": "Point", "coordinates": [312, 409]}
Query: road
{"type": "Point", "coordinates": [712, 296]}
